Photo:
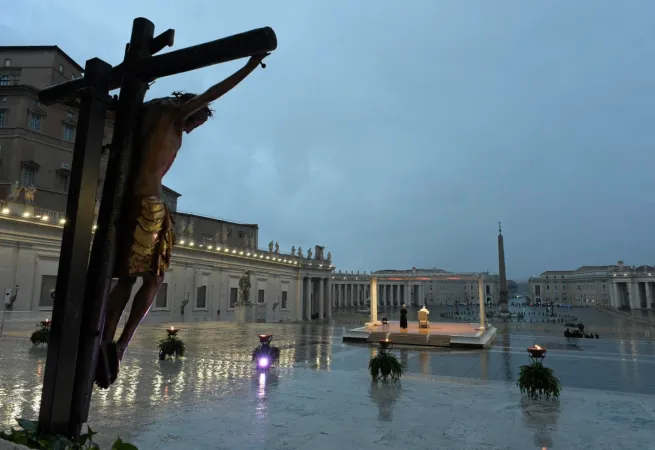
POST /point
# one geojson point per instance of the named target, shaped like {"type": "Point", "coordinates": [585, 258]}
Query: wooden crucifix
{"type": "Point", "coordinates": [134, 235]}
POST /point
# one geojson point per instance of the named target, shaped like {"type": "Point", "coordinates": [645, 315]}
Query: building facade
{"type": "Point", "coordinates": [36, 141]}
{"type": "Point", "coordinates": [616, 286]}
{"type": "Point", "coordinates": [412, 287]}
{"type": "Point", "coordinates": [201, 284]}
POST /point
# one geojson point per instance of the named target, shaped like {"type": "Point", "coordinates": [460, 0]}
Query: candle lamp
{"type": "Point", "coordinates": [172, 331]}
{"type": "Point", "coordinates": [46, 322]}
{"type": "Point", "coordinates": [265, 338]}
{"type": "Point", "coordinates": [537, 353]}
{"type": "Point", "coordinates": [386, 344]}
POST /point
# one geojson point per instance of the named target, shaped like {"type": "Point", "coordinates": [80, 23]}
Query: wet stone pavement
{"type": "Point", "coordinates": [321, 397]}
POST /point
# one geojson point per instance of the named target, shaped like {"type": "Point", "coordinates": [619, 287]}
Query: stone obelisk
{"type": "Point", "coordinates": [504, 293]}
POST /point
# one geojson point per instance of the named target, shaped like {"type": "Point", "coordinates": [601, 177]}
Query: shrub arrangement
{"type": "Point", "coordinates": [29, 436]}
{"type": "Point", "coordinates": [538, 381]}
{"type": "Point", "coordinates": [171, 347]}
{"type": "Point", "coordinates": [42, 335]}
{"type": "Point", "coordinates": [385, 366]}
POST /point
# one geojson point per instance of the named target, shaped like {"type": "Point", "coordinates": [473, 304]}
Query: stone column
{"type": "Point", "coordinates": [362, 294]}
{"type": "Point", "coordinates": [328, 286]}
{"type": "Point", "coordinates": [308, 298]}
{"type": "Point", "coordinates": [632, 295]}
{"type": "Point", "coordinates": [299, 298]}
{"type": "Point", "coordinates": [615, 300]}
{"type": "Point", "coordinates": [408, 294]}
{"type": "Point", "coordinates": [374, 301]}
{"type": "Point", "coordinates": [321, 298]}
{"type": "Point", "coordinates": [483, 297]}
{"type": "Point", "coordinates": [649, 294]}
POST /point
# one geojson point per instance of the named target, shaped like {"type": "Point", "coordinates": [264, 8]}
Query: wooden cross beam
{"type": "Point", "coordinates": [242, 45]}
{"type": "Point", "coordinates": [83, 283]}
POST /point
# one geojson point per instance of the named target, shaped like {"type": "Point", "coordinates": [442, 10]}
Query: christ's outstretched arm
{"type": "Point", "coordinates": [218, 90]}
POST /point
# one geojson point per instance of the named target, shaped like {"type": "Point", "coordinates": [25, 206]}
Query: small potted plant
{"type": "Point", "coordinates": [42, 335]}
{"type": "Point", "coordinates": [536, 380]}
{"type": "Point", "coordinates": [172, 346]}
{"type": "Point", "coordinates": [385, 365]}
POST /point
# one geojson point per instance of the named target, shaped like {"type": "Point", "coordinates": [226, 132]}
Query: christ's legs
{"type": "Point", "coordinates": [140, 307]}
{"type": "Point", "coordinates": [118, 299]}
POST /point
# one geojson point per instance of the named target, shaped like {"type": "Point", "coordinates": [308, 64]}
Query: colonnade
{"type": "Point", "coordinates": [358, 293]}
{"type": "Point", "coordinates": [633, 293]}
{"type": "Point", "coordinates": [314, 298]}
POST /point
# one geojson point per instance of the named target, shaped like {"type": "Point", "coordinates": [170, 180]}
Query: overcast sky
{"type": "Point", "coordinates": [398, 133]}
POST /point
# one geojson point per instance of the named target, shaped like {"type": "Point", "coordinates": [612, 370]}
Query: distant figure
{"type": "Point", "coordinates": [403, 317]}
{"type": "Point", "coordinates": [423, 321]}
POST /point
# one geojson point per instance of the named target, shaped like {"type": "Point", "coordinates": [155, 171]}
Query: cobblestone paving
{"type": "Point", "coordinates": [320, 396]}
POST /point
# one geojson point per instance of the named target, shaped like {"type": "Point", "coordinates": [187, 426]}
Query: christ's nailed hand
{"type": "Point", "coordinates": [255, 60]}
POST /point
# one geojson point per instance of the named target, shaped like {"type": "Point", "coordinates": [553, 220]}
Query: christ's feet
{"type": "Point", "coordinates": [108, 365]}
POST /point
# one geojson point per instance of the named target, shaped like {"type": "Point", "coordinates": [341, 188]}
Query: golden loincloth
{"type": "Point", "coordinates": [146, 244]}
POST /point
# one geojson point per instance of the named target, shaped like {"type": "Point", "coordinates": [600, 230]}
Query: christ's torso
{"type": "Point", "coordinates": [160, 138]}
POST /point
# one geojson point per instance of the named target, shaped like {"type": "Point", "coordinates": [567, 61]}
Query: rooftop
{"type": "Point", "coordinates": [36, 48]}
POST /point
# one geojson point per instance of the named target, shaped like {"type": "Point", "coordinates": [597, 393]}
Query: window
{"type": "Point", "coordinates": [69, 115]}
{"type": "Point", "coordinates": [34, 122]}
{"type": "Point", "coordinates": [3, 118]}
{"type": "Point", "coordinates": [4, 80]}
{"type": "Point", "coordinates": [48, 285]}
{"type": "Point", "coordinates": [260, 296]}
{"type": "Point", "coordinates": [161, 299]}
{"type": "Point", "coordinates": [284, 300]}
{"type": "Point", "coordinates": [234, 292]}
{"type": "Point", "coordinates": [201, 297]}
{"type": "Point", "coordinates": [537, 290]}
{"type": "Point", "coordinates": [7, 62]}
{"type": "Point", "coordinates": [73, 76]}
{"type": "Point", "coordinates": [36, 102]}
{"type": "Point", "coordinates": [69, 133]}
{"type": "Point", "coordinates": [27, 175]}
{"type": "Point", "coordinates": [61, 68]}
{"type": "Point", "coordinates": [63, 177]}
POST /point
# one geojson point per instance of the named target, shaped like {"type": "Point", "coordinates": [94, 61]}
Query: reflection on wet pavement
{"type": "Point", "coordinates": [218, 372]}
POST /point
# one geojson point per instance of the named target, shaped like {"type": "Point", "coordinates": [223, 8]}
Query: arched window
{"type": "Point", "coordinates": [4, 80]}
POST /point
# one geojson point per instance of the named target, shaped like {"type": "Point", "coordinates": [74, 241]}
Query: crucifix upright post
{"type": "Point", "coordinates": [58, 383]}
{"type": "Point", "coordinates": [82, 282]}
{"type": "Point", "coordinates": [101, 262]}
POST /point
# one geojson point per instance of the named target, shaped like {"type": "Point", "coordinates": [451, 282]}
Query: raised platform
{"type": "Point", "coordinates": [438, 334]}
